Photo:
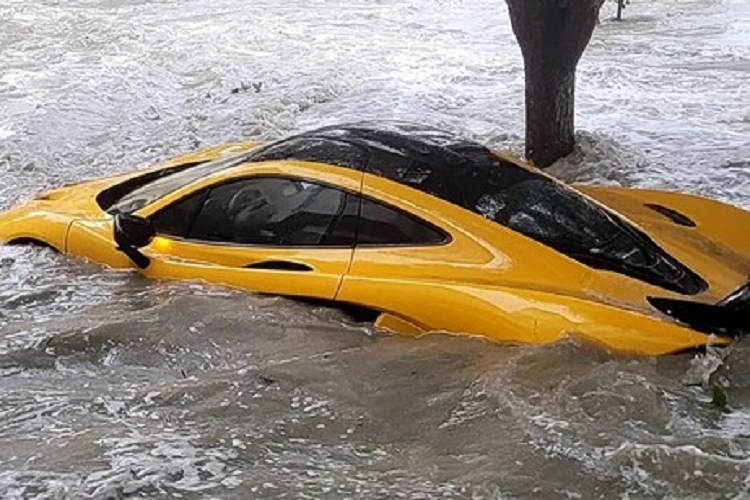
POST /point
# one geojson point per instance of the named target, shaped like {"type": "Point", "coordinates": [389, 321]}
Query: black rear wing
{"type": "Point", "coordinates": [729, 317]}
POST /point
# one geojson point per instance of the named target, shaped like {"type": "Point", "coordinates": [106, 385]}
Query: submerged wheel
{"type": "Point", "coordinates": [33, 242]}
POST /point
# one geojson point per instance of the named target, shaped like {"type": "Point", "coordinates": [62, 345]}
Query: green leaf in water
{"type": "Point", "coordinates": [719, 399]}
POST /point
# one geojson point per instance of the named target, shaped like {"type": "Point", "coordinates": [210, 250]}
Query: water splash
{"type": "Point", "coordinates": [103, 368]}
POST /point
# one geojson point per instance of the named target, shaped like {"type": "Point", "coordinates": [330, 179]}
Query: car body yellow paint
{"type": "Point", "coordinates": [487, 281]}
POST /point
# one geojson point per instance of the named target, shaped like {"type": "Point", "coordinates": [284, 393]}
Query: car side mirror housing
{"type": "Point", "coordinates": [131, 233]}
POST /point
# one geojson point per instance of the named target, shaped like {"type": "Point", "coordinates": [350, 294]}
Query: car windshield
{"type": "Point", "coordinates": [157, 185]}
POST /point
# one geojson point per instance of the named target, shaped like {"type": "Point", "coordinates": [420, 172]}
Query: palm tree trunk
{"type": "Point", "coordinates": [553, 35]}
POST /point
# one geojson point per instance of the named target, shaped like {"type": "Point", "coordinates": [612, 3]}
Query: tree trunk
{"type": "Point", "coordinates": [553, 35]}
{"type": "Point", "coordinates": [620, 6]}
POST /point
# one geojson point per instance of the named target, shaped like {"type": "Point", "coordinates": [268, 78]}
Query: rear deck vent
{"type": "Point", "coordinates": [672, 214]}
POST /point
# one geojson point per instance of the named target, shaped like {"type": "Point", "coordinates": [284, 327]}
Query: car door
{"type": "Point", "coordinates": [395, 253]}
{"type": "Point", "coordinates": [268, 233]}
{"type": "Point", "coordinates": [410, 262]}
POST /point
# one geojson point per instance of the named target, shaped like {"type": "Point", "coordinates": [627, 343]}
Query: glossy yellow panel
{"type": "Point", "coordinates": [316, 284]}
{"type": "Point", "coordinates": [33, 222]}
{"type": "Point", "coordinates": [439, 286]}
{"type": "Point", "coordinates": [171, 259]}
{"type": "Point", "coordinates": [519, 316]}
{"type": "Point", "coordinates": [226, 264]}
{"type": "Point", "coordinates": [481, 251]}
{"type": "Point", "coordinates": [398, 324]}
{"type": "Point", "coordinates": [94, 240]}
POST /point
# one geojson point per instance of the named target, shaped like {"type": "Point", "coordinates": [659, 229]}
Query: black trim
{"type": "Point", "coordinates": [686, 282]}
{"type": "Point", "coordinates": [739, 300]}
{"type": "Point", "coordinates": [436, 162]}
{"type": "Point", "coordinates": [707, 318]}
{"type": "Point", "coordinates": [138, 258]}
{"type": "Point", "coordinates": [280, 265]}
{"type": "Point", "coordinates": [356, 312]}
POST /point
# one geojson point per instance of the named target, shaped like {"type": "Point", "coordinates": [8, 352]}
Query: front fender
{"type": "Point", "coordinates": [35, 223]}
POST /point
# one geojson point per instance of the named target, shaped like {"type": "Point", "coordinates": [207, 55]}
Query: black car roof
{"type": "Point", "coordinates": [430, 160]}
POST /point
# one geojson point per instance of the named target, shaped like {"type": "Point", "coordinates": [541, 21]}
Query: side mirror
{"type": "Point", "coordinates": [131, 233]}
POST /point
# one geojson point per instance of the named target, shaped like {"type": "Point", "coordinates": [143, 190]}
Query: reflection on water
{"type": "Point", "coordinates": [111, 386]}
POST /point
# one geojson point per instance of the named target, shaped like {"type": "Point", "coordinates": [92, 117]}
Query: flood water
{"type": "Point", "coordinates": [116, 387]}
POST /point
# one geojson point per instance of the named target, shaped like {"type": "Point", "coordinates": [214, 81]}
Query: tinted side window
{"type": "Point", "coordinates": [177, 219]}
{"type": "Point", "coordinates": [343, 232]}
{"type": "Point", "coordinates": [382, 225]}
{"type": "Point", "coordinates": [271, 212]}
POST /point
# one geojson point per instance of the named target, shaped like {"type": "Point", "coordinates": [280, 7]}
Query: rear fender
{"type": "Point", "coordinates": [508, 314]}
{"type": "Point", "coordinates": [723, 223]}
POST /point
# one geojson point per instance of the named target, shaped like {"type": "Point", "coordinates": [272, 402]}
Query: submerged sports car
{"type": "Point", "coordinates": [423, 230]}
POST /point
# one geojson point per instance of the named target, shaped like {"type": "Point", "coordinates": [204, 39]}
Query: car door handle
{"type": "Point", "coordinates": [280, 265]}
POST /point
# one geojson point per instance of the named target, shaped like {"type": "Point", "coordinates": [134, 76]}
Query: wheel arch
{"type": "Point", "coordinates": [32, 241]}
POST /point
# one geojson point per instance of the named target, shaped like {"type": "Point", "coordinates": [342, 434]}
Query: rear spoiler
{"type": "Point", "coordinates": [729, 317]}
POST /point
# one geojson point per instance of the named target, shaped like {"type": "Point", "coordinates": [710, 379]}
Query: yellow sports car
{"type": "Point", "coordinates": [425, 232]}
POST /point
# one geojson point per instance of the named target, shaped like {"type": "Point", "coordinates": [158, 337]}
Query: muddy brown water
{"type": "Point", "coordinates": [116, 387]}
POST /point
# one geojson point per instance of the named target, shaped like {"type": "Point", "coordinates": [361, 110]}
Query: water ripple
{"type": "Point", "coordinates": [112, 387]}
